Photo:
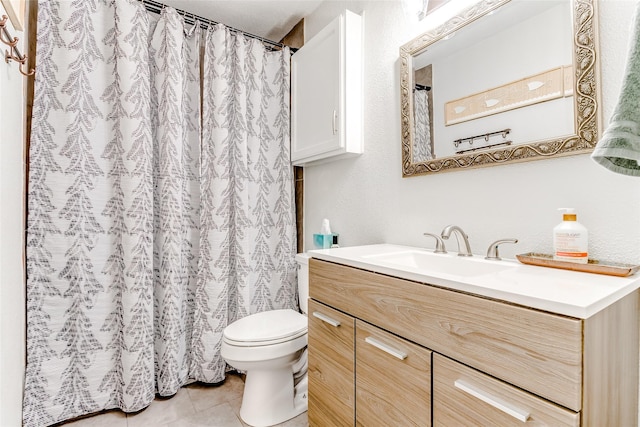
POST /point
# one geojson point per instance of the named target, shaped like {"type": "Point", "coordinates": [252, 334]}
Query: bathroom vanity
{"type": "Point", "coordinates": [402, 336]}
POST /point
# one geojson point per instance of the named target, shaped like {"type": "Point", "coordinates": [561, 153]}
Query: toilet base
{"type": "Point", "coordinates": [270, 397]}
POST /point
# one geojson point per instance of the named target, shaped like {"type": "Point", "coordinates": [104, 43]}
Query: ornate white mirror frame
{"type": "Point", "coordinates": [585, 95]}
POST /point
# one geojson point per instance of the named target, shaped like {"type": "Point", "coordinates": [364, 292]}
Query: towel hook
{"type": "Point", "coordinates": [486, 136]}
{"type": "Point", "coordinates": [10, 43]}
{"type": "Point", "coordinates": [13, 54]}
{"type": "Point", "coordinates": [8, 57]}
{"type": "Point", "coordinates": [31, 72]}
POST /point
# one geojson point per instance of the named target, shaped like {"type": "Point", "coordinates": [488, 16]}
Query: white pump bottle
{"type": "Point", "coordinates": [570, 239]}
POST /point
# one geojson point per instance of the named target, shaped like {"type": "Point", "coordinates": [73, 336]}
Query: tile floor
{"type": "Point", "coordinates": [196, 405]}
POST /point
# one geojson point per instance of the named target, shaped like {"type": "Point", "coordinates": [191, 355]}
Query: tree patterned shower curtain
{"type": "Point", "coordinates": [157, 216]}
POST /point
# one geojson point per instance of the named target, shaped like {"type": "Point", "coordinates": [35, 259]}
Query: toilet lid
{"type": "Point", "coordinates": [268, 327]}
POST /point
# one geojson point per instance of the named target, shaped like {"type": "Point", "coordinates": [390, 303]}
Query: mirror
{"type": "Point", "coordinates": [503, 81]}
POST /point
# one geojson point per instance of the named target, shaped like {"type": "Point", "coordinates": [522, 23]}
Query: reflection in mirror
{"type": "Point", "coordinates": [508, 82]}
{"type": "Point", "coordinates": [423, 115]}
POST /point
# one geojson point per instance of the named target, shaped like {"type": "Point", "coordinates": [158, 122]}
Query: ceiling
{"type": "Point", "coordinates": [271, 19]}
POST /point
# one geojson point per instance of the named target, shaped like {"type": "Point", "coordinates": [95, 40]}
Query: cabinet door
{"type": "Point", "coordinates": [316, 113]}
{"type": "Point", "coordinates": [331, 367]}
{"type": "Point", "coordinates": [463, 396]}
{"type": "Point", "coordinates": [393, 380]}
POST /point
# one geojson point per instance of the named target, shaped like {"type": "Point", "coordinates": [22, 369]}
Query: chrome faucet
{"type": "Point", "coordinates": [462, 239]}
{"type": "Point", "coordinates": [439, 244]}
{"type": "Point", "coordinates": [492, 252]}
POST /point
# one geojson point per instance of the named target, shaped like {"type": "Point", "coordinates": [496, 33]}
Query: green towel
{"type": "Point", "coordinates": [619, 148]}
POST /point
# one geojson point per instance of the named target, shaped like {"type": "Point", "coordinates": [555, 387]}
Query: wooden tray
{"type": "Point", "coordinates": [593, 266]}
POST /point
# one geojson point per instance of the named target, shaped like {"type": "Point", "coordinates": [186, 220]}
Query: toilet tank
{"type": "Point", "coordinates": [303, 280]}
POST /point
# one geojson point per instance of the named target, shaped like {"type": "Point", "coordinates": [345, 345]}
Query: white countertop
{"type": "Point", "coordinates": [570, 293]}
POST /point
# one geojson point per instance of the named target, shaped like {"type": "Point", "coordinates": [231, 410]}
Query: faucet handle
{"type": "Point", "coordinates": [439, 243]}
{"type": "Point", "coordinates": [492, 251]}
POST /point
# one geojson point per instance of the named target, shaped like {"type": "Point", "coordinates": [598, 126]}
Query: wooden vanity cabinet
{"type": "Point", "coordinates": [387, 377]}
{"type": "Point", "coordinates": [466, 397]}
{"type": "Point", "coordinates": [560, 370]}
{"type": "Point", "coordinates": [393, 380]}
{"type": "Point", "coordinates": [331, 369]}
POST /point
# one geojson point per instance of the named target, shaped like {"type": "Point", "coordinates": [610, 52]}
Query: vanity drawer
{"type": "Point", "coordinates": [393, 380]}
{"type": "Point", "coordinates": [534, 350]}
{"type": "Point", "coordinates": [464, 396]}
{"type": "Point", "coordinates": [331, 367]}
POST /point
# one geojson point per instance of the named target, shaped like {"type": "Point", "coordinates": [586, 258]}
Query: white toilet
{"type": "Point", "coordinates": [271, 347]}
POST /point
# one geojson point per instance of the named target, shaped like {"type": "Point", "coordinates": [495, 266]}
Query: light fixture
{"type": "Point", "coordinates": [422, 11]}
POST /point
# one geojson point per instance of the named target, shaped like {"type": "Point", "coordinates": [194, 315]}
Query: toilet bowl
{"type": "Point", "coordinates": [270, 347]}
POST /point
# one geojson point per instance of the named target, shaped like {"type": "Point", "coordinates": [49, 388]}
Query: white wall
{"type": "Point", "coordinates": [12, 295]}
{"type": "Point", "coordinates": [368, 201]}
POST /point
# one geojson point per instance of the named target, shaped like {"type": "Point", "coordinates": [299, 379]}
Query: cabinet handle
{"type": "Point", "coordinates": [326, 319]}
{"type": "Point", "coordinates": [496, 402]}
{"type": "Point", "coordinates": [335, 120]}
{"type": "Point", "coordinates": [382, 346]}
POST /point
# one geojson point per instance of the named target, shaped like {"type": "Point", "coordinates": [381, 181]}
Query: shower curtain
{"type": "Point", "coordinates": [160, 203]}
{"type": "Point", "coordinates": [422, 141]}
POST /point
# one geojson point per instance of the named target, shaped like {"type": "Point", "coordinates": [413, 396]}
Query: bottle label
{"type": "Point", "coordinates": [570, 246]}
{"type": "Point", "coordinates": [572, 254]}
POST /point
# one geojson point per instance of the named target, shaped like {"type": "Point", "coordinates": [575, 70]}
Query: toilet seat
{"type": "Point", "coordinates": [266, 328]}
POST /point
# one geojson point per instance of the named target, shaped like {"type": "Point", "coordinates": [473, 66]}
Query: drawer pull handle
{"type": "Point", "coordinates": [326, 319]}
{"type": "Point", "coordinates": [382, 346]}
{"type": "Point", "coordinates": [335, 119]}
{"type": "Point", "coordinates": [496, 402]}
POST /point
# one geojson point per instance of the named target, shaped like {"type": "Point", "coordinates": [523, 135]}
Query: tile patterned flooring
{"type": "Point", "coordinates": [196, 405]}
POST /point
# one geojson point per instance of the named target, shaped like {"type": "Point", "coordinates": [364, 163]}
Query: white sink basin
{"type": "Point", "coordinates": [564, 292]}
{"type": "Point", "coordinates": [447, 264]}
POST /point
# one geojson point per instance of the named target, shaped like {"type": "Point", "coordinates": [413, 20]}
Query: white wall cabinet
{"type": "Point", "coordinates": [326, 93]}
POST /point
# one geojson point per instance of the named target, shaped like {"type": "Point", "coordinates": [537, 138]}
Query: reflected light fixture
{"type": "Point", "coordinates": [422, 11]}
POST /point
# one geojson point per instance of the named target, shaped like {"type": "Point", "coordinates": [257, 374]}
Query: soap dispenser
{"type": "Point", "coordinates": [570, 239]}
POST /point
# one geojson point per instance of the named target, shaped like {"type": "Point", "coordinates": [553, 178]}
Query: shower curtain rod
{"type": "Point", "coordinates": [190, 18]}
